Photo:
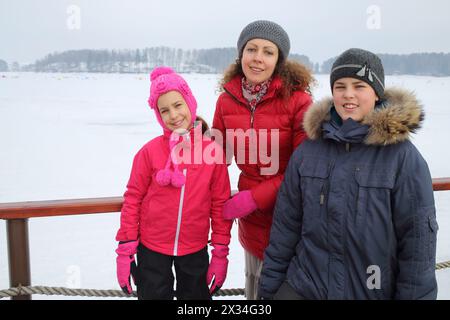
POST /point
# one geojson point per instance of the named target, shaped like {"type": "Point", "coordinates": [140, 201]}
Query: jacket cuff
{"type": "Point", "coordinates": [127, 235]}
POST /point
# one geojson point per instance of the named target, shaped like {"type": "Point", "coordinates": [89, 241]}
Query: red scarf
{"type": "Point", "coordinates": [253, 93]}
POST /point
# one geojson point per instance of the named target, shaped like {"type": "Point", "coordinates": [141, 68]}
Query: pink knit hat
{"type": "Point", "coordinates": [163, 80]}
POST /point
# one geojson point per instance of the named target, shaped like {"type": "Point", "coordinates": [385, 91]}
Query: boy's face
{"type": "Point", "coordinates": [353, 98]}
{"type": "Point", "coordinates": [174, 111]}
{"type": "Point", "coordinates": [259, 60]}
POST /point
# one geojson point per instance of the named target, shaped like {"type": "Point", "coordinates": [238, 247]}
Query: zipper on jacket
{"type": "Point", "coordinates": [180, 213]}
{"type": "Point", "coordinates": [357, 193]}
{"type": "Point", "coordinates": [252, 110]}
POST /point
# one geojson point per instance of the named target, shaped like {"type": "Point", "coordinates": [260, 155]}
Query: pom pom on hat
{"type": "Point", "coordinates": [163, 177]}
{"type": "Point", "coordinates": [168, 176]}
{"type": "Point", "coordinates": [157, 72]}
{"type": "Point", "coordinates": [178, 179]}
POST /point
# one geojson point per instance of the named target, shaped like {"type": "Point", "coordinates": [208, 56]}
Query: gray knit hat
{"type": "Point", "coordinates": [362, 65]}
{"type": "Point", "coordinates": [267, 30]}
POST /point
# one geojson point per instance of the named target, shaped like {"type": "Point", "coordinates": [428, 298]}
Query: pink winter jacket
{"type": "Point", "coordinates": [169, 220]}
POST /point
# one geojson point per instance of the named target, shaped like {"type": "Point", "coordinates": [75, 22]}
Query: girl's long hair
{"type": "Point", "coordinates": [204, 124]}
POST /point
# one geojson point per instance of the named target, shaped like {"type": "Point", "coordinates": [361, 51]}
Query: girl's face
{"type": "Point", "coordinates": [259, 60]}
{"type": "Point", "coordinates": [353, 98]}
{"type": "Point", "coordinates": [174, 111]}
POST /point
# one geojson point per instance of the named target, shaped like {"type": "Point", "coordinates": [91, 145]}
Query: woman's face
{"type": "Point", "coordinates": [353, 98]}
{"type": "Point", "coordinates": [259, 60]}
{"type": "Point", "coordinates": [174, 111]}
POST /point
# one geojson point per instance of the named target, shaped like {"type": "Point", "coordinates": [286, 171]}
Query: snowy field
{"type": "Point", "coordinates": [67, 136]}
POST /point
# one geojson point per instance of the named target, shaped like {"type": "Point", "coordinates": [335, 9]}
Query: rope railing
{"type": "Point", "coordinates": [443, 265]}
{"type": "Point", "coordinates": [60, 291]}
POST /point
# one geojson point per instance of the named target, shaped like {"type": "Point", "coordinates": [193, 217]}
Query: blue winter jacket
{"type": "Point", "coordinates": [355, 215]}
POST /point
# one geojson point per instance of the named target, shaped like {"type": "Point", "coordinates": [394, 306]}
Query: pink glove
{"type": "Point", "coordinates": [239, 206]}
{"type": "Point", "coordinates": [126, 264]}
{"type": "Point", "coordinates": [217, 267]}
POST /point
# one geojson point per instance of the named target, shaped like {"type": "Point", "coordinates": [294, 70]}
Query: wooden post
{"type": "Point", "coordinates": [18, 255]}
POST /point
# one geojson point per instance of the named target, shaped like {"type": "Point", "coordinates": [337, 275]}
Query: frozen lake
{"type": "Point", "coordinates": [66, 136]}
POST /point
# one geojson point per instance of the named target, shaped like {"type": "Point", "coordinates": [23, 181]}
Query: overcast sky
{"type": "Point", "coordinates": [319, 29]}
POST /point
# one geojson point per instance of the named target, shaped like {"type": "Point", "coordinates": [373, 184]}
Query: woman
{"type": "Point", "coordinates": [264, 94]}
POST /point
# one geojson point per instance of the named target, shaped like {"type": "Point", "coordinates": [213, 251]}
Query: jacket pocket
{"type": "Point", "coordinates": [314, 180]}
{"type": "Point", "coordinates": [373, 196]}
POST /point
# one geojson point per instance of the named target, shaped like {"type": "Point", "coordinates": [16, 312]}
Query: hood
{"type": "Point", "coordinates": [401, 116]}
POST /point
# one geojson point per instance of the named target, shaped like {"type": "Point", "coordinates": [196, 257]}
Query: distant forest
{"type": "Point", "coordinates": [206, 61]}
{"type": "Point", "coordinates": [138, 61]}
{"type": "Point", "coordinates": [422, 64]}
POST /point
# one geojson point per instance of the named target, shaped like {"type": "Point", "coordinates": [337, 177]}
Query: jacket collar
{"type": "Point", "coordinates": [402, 115]}
{"type": "Point", "coordinates": [234, 88]}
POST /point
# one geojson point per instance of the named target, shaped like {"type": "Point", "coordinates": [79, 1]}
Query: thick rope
{"type": "Point", "coordinates": [60, 291]}
{"type": "Point", "coordinates": [443, 265]}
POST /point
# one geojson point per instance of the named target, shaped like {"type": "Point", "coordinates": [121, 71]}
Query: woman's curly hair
{"type": "Point", "coordinates": [295, 76]}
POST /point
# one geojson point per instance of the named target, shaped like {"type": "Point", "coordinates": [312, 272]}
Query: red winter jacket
{"type": "Point", "coordinates": [169, 220]}
{"type": "Point", "coordinates": [272, 112]}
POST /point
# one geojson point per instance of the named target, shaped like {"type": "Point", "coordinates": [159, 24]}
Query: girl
{"type": "Point", "coordinates": [263, 92]}
{"type": "Point", "coordinates": [355, 215]}
{"type": "Point", "coordinates": [169, 204]}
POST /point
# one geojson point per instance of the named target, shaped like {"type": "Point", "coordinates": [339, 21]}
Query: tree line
{"type": "Point", "coordinates": [422, 64]}
{"type": "Point", "coordinates": [141, 60]}
{"type": "Point", "coordinates": [206, 61]}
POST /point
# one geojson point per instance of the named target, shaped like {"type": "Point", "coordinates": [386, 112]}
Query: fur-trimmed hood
{"type": "Point", "coordinates": [392, 124]}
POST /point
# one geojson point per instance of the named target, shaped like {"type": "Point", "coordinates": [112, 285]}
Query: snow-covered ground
{"type": "Point", "coordinates": [67, 136]}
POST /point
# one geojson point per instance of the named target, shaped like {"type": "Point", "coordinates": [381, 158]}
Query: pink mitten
{"type": "Point", "coordinates": [125, 262]}
{"type": "Point", "coordinates": [239, 206]}
{"type": "Point", "coordinates": [217, 267]}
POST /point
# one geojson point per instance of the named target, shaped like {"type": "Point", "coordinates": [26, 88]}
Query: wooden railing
{"type": "Point", "coordinates": [51, 208]}
{"type": "Point", "coordinates": [17, 214]}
